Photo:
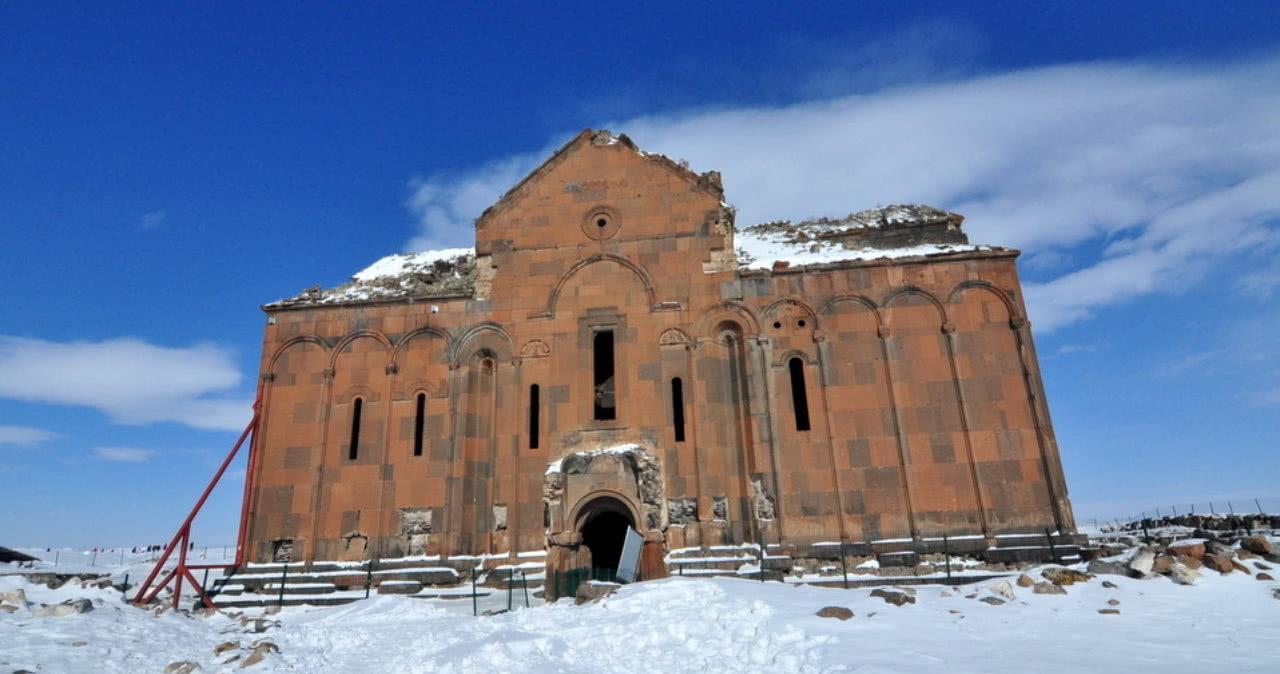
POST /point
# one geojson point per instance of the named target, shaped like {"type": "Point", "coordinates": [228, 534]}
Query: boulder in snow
{"type": "Point", "coordinates": [260, 651]}
{"type": "Point", "coordinates": [1264, 576]}
{"type": "Point", "coordinates": [1163, 564]}
{"type": "Point", "coordinates": [225, 646]}
{"type": "Point", "coordinates": [894, 596]}
{"type": "Point", "coordinates": [1109, 611]}
{"type": "Point", "coordinates": [16, 597]}
{"type": "Point", "coordinates": [181, 667]}
{"type": "Point", "coordinates": [1045, 587]}
{"type": "Point", "coordinates": [1183, 574]}
{"type": "Point", "coordinates": [593, 591]}
{"type": "Point", "coordinates": [1100, 567]}
{"type": "Point", "coordinates": [1188, 548]}
{"type": "Point", "coordinates": [1026, 581]}
{"type": "Point", "coordinates": [1220, 563]}
{"type": "Point", "coordinates": [1063, 576]}
{"type": "Point", "coordinates": [1142, 562]}
{"type": "Point", "coordinates": [837, 612]}
{"type": "Point", "coordinates": [1258, 545]}
{"type": "Point", "coordinates": [994, 601]}
{"type": "Point", "coordinates": [1002, 589]}
{"type": "Point", "coordinates": [66, 608]}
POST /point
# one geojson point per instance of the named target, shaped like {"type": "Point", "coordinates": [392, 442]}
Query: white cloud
{"type": "Point", "coordinates": [1164, 168]}
{"type": "Point", "coordinates": [125, 454]}
{"type": "Point", "coordinates": [24, 435]}
{"type": "Point", "coordinates": [131, 381]}
{"type": "Point", "coordinates": [152, 220]}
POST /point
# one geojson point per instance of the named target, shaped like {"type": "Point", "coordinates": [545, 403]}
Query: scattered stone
{"type": "Point", "coordinates": [895, 596]}
{"type": "Point", "coordinates": [1220, 563]}
{"type": "Point", "coordinates": [1141, 564]}
{"type": "Point", "coordinates": [1245, 554]}
{"type": "Point", "coordinates": [1163, 564]}
{"type": "Point", "coordinates": [955, 612]}
{"type": "Point", "coordinates": [1002, 589]}
{"type": "Point", "coordinates": [1183, 574]}
{"type": "Point", "coordinates": [8, 608]}
{"type": "Point", "coordinates": [1100, 567]}
{"type": "Point", "coordinates": [181, 667]}
{"type": "Point", "coordinates": [1258, 545]}
{"type": "Point", "coordinates": [271, 610]}
{"type": "Point", "coordinates": [1045, 587]}
{"type": "Point", "coordinates": [1193, 562]}
{"type": "Point", "coordinates": [1264, 576]}
{"type": "Point", "coordinates": [225, 646]}
{"type": "Point", "coordinates": [1063, 576]}
{"type": "Point", "coordinates": [259, 653]}
{"type": "Point", "coordinates": [1026, 581]}
{"type": "Point", "coordinates": [1109, 611]}
{"type": "Point", "coordinates": [1275, 594]}
{"type": "Point", "coordinates": [1216, 548]}
{"type": "Point", "coordinates": [996, 601]}
{"type": "Point", "coordinates": [1262, 566]}
{"type": "Point", "coordinates": [17, 597]}
{"type": "Point", "coordinates": [594, 591]}
{"type": "Point", "coordinates": [1187, 549]}
{"type": "Point", "coordinates": [972, 595]}
{"type": "Point", "coordinates": [1109, 585]}
{"type": "Point", "coordinates": [66, 608]}
{"type": "Point", "coordinates": [1113, 602]}
{"type": "Point", "coordinates": [837, 612]}
{"type": "Point", "coordinates": [1241, 567]}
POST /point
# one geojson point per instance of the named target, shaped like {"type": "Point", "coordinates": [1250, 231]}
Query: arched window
{"type": "Point", "coordinates": [799, 394]}
{"type": "Point", "coordinates": [534, 415]}
{"type": "Point", "coordinates": [419, 423]}
{"type": "Point", "coordinates": [605, 405]}
{"type": "Point", "coordinates": [353, 449]}
{"type": "Point", "coordinates": [677, 408]}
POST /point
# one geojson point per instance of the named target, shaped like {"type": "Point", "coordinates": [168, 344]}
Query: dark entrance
{"type": "Point", "coordinates": [604, 528]}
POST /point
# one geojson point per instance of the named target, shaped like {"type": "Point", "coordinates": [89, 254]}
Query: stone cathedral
{"type": "Point", "coordinates": [614, 352]}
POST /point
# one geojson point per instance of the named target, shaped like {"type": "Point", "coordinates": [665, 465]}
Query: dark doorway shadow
{"type": "Point", "coordinates": [603, 533]}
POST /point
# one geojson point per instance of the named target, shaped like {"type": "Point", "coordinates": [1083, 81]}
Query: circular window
{"type": "Point", "coordinates": [777, 325]}
{"type": "Point", "coordinates": [800, 322]}
{"type": "Point", "coordinates": [600, 224]}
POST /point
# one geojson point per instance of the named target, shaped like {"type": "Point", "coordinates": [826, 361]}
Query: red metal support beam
{"type": "Point", "coordinates": [148, 592]}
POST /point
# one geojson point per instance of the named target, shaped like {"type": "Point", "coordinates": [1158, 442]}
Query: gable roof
{"type": "Point", "coordinates": [708, 182]}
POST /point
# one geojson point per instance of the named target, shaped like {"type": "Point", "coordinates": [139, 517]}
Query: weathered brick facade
{"type": "Point", "coordinates": [926, 412]}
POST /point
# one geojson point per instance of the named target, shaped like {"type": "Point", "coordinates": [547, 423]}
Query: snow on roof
{"type": "Point", "coordinates": [890, 232]}
{"type": "Point", "coordinates": [449, 272]}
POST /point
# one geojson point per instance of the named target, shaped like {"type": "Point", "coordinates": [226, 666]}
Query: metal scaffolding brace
{"type": "Point", "coordinates": [147, 592]}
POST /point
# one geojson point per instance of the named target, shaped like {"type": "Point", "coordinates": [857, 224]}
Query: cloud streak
{"type": "Point", "coordinates": [123, 454]}
{"type": "Point", "coordinates": [131, 381]}
{"type": "Point", "coordinates": [24, 435]}
{"type": "Point", "coordinates": [1137, 177]}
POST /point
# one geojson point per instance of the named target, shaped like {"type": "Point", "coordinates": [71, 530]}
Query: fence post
{"type": "Point", "coordinates": [1053, 550]}
{"type": "Point", "coordinates": [511, 586]}
{"type": "Point", "coordinates": [368, 577]}
{"type": "Point", "coordinates": [762, 559]}
{"type": "Point", "coordinates": [524, 583]}
{"type": "Point", "coordinates": [475, 611]}
{"type": "Point", "coordinates": [844, 565]}
{"type": "Point", "coordinates": [1146, 535]}
{"type": "Point", "coordinates": [284, 575]}
{"type": "Point", "coordinates": [204, 583]}
{"type": "Point", "coordinates": [946, 553]}
{"type": "Point", "coordinates": [125, 591]}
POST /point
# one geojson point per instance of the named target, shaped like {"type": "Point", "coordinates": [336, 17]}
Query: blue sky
{"type": "Point", "coordinates": [167, 170]}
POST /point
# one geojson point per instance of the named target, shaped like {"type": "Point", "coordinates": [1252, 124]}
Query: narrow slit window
{"type": "Point", "coordinates": [535, 414]}
{"type": "Point", "coordinates": [354, 449]}
{"type": "Point", "coordinates": [419, 423]}
{"type": "Point", "coordinates": [677, 408]}
{"type": "Point", "coordinates": [605, 406]}
{"type": "Point", "coordinates": [799, 395]}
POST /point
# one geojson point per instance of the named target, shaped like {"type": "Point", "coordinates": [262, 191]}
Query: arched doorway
{"type": "Point", "coordinates": [603, 524]}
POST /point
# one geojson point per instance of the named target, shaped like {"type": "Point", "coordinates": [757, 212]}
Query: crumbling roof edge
{"type": "Point", "coordinates": [278, 306]}
{"type": "Point", "coordinates": [991, 252]}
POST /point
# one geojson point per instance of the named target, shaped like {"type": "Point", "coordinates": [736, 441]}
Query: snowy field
{"type": "Point", "coordinates": [687, 625]}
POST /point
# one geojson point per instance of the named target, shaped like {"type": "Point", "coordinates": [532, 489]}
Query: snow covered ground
{"type": "Point", "coordinates": [688, 625]}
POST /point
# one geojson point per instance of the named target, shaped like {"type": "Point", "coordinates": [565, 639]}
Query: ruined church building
{"type": "Point", "coordinates": [614, 352]}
